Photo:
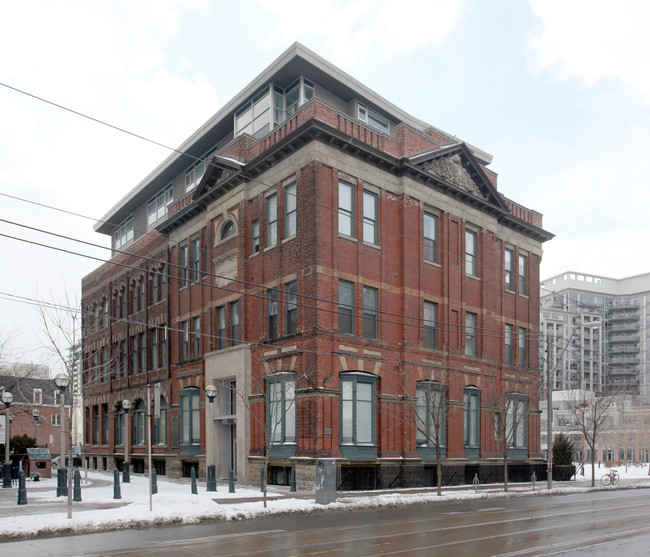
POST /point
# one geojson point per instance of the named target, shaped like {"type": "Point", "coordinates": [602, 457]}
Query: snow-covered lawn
{"type": "Point", "coordinates": [174, 503]}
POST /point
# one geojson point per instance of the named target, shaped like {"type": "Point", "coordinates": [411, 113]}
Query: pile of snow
{"type": "Point", "coordinates": [175, 504]}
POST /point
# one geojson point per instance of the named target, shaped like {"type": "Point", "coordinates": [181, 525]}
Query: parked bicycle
{"type": "Point", "coordinates": [610, 478]}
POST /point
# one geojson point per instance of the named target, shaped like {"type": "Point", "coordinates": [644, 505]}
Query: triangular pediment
{"type": "Point", "coordinates": [455, 165]}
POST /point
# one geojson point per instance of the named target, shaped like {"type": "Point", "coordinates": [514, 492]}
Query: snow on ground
{"type": "Point", "coordinates": [175, 504]}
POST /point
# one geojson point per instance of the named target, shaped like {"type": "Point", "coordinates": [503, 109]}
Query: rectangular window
{"type": "Point", "coordinates": [185, 340]}
{"type": "Point", "coordinates": [430, 238]}
{"type": "Point", "coordinates": [370, 217]}
{"type": "Point", "coordinates": [470, 334]}
{"type": "Point", "coordinates": [143, 294]}
{"type": "Point", "coordinates": [135, 297]}
{"type": "Point", "coordinates": [193, 175]}
{"type": "Point", "coordinates": [37, 395]}
{"type": "Point", "coordinates": [373, 119]}
{"type": "Point", "coordinates": [158, 206]}
{"type": "Point", "coordinates": [155, 292]}
{"type": "Point", "coordinates": [255, 233]}
{"type": "Point", "coordinates": [357, 410]}
{"type": "Point", "coordinates": [234, 323]}
{"type": "Point", "coordinates": [124, 233]}
{"type": "Point", "coordinates": [523, 275]}
{"type": "Point", "coordinates": [346, 208]}
{"type": "Point", "coordinates": [471, 426]}
{"type": "Point", "coordinates": [155, 348]}
{"type": "Point", "coordinates": [369, 312]}
{"type": "Point", "coordinates": [119, 427]}
{"type": "Point", "coordinates": [272, 313]}
{"type": "Point", "coordinates": [271, 220]}
{"type": "Point", "coordinates": [471, 252]}
{"type": "Point", "coordinates": [196, 259]}
{"type": "Point", "coordinates": [163, 346]}
{"type": "Point", "coordinates": [95, 425]}
{"type": "Point", "coordinates": [290, 210]}
{"type": "Point", "coordinates": [105, 364]}
{"type": "Point", "coordinates": [135, 353]}
{"type": "Point", "coordinates": [160, 424]}
{"type": "Point", "coordinates": [508, 341]}
{"type": "Point", "coordinates": [523, 352]}
{"type": "Point", "coordinates": [190, 425]}
{"type": "Point", "coordinates": [184, 266]}
{"type": "Point", "coordinates": [509, 259]}
{"type": "Point", "coordinates": [104, 424]}
{"type": "Point", "coordinates": [431, 414]}
{"type": "Point", "coordinates": [143, 352]}
{"type": "Point", "coordinates": [281, 394]}
{"type": "Point", "coordinates": [123, 302]}
{"type": "Point", "coordinates": [516, 421]}
{"type": "Point", "coordinates": [221, 328]}
{"type": "Point", "coordinates": [346, 307]}
{"type": "Point", "coordinates": [429, 325]}
{"type": "Point", "coordinates": [291, 307]}
{"type": "Point", "coordinates": [196, 337]}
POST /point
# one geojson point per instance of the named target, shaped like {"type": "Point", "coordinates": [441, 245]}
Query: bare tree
{"type": "Point", "coordinates": [61, 327]}
{"type": "Point", "coordinates": [591, 413]}
{"type": "Point", "coordinates": [427, 410]}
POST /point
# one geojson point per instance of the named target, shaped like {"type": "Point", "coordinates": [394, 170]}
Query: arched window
{"type": "Point", "coordinates": [227, 230]}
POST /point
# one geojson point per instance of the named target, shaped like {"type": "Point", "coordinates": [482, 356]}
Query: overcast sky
{"type": "Point", "coordinates": [557, 91]}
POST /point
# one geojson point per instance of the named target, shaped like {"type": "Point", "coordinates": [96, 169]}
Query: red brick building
{"type": "Point", "coordinates": [329, 263]}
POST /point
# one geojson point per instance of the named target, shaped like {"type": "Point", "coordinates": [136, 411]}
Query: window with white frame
{"type": "Point", "coordinates": [430, 325]}
{"type": "Point", "coordinates": [470, 334]}
{"type": "Point", "coordinates": [369, 312]}
{"type": "Point", "coordinates": [430, 237]}
{"type": "Point", "coordinates": [522, 359]}
{"type": "Point", "coordinates": [271, 220]}
{"type": "Point", "coordinates": [373, 119]}
{"type": "Point", "coordinates": [370, 208]}
{"type": "Point", "coordinates": [185, 340]}
{"type": "Point", "coordinates": [523, 275]}
{"type": "Point", "coordinates": [185, 261]}
{"type": "Point", "coordinates": [222, 333]}
{"type": "Point", "coordinates": [158, 206]}
{"type": "Point", "coordinates": [196, 337]}
{"type": "Point", "coordinates": [234, 323]}
{"type": "Point", "coordinates": [346, 208]}
{"type": "Point", "coordinates": [124, 233]}
{"type": "Point", "coordinates": [508, 343]}
{"type": "Point", "coordinates": [272, 313]}
{"type": "Point", "coordinates": [509, 261]}
{"type": "Point", "coordinates": [471, 253]}
{"type": "Point", "coordinates": [255, 234]}
{"type": "Point", "coordinates": [196, 259]}
{"type": "Point", "coordinates": [37, 396]}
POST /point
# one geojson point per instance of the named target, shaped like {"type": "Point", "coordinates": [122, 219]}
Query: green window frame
{"type": "Point", "coordinates": [190, 421]}
{"type": "Point", "coordinates": [281, 414]}
{"type": "Point", "coordinates": [472, 422]}
{"type": "Point", "coordinates": [431, 418]}
{"type": "Point", "coordinates": [358, 429]}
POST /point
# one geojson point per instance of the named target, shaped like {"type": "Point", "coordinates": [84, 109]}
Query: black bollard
{"type": "Point", "coordinates": [262, 479]}
{"type": "Point", "coordinates": [76, 489]}
{"type": "Point", "coordinates": [22, 490]}
{"type": "Point", "coordinates": [154, 483]}
{"type": "Point", "coordinates": [231, 481]}
{"type": "Point", "coordinates": [193, 474]}
{"type": "Point", "coordinates": [62, 482]}
{"type": "Point", "coordinates": [292, 479]}
{"type": "Point", "coordinates": [212, 478]}
{"type": "Point", "coordinates": [126, 473]}
{"type": "Point", "coordinates": [117, 494]}
{"type": "Point", "coordinates": [6, 475]}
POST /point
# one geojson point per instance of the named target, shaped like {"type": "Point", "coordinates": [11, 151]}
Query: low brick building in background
{"type": "Point", "coordinates": [332, 265]}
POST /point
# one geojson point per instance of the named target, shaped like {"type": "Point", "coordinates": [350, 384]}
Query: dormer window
{"type": "Point", "coordinates": [373, 119]}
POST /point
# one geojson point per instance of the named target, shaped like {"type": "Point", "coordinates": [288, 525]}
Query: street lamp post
{"type": "Point", "coordinates": [36, 414]}
{"type": "Point", "coordinates": [126, 476]}
{"type": "Point", "coordinates": [62, 381]}
{"type": "Point", "coordinates": [7, 398]}
{"type": "Point", "coordinates": [211, 393]}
